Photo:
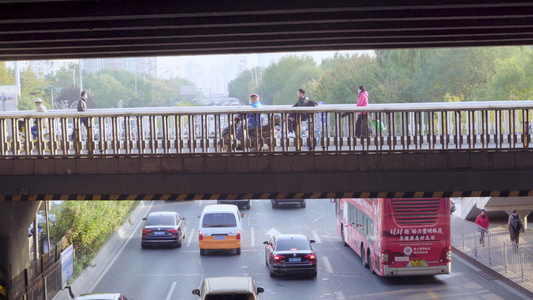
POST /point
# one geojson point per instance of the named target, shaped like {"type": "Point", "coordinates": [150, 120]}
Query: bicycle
{"type": "Point", "coordinates": [305, 135]}
{"type": "Point", "coordinates": [22, 140]}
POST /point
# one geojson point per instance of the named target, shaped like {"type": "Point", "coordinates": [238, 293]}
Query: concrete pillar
{"type": "Point", "coordinates": [15, 218]}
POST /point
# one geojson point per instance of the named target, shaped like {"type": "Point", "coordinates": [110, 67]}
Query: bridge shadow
{"type": "Point", "coordinates": [412, 280]}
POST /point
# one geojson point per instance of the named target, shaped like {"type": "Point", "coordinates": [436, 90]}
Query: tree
{"type": "Point", "coordinates": [455, 72]}
{"type": "Point", "coordinates": [62, 78]}
{"type": "Point", "coordinates": [512, 78]}
{"type": "Point", "coordinates": [6, 75]}
{"type": "Point", "coordinates": [278, 85]}
{"type": "Point", "coordinates": [107, 90]}
{"type": "Point", "coordinates": [341, 77]}
{"type": "Point", "coordinates": [240, 86]}
{"type": "Point", "coordinates": [31, 87]}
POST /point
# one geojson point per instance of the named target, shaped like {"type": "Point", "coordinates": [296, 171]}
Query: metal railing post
{"type": "Point", "coordinates": [521, 263]}
{"type": "Point", "coordinates": [45, 289]}
{"type": "Point", "coordinates": [505, 255]}
{"type": "Point", "coordinates": [463, 233]}
{"type": "Point", "coordinates": [475, 241]}
{"type": "Point", "coordinates": [488, 245]}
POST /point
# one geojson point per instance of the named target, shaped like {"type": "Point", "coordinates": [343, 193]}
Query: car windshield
{"type": "Point", "coordinates": [230, 297]}
{"type": "Point", "coordinates": [292, 244]}
{"type": "Point", "coordinates": [160, 220]}
{"type": "Point", "coordinates": [219, 220]}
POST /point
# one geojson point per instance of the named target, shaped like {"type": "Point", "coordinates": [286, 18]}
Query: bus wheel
{"type": "Point", "coordinates": [343, 237]}
{"type": "Point", "coordinates": [363, 258]}
{"type": "Point", "coordinates": [369, 259]}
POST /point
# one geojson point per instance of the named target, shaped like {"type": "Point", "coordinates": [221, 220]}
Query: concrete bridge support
{"type": "Point", "coordinates": [15, 218]}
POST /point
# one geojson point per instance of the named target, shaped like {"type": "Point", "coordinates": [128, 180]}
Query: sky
{"type": "Point", "coordinates": [211, 74]}
{"type": "Point", "coordinates": [175, 66]}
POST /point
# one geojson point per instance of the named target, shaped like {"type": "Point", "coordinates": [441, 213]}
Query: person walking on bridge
{"type": "Point", "coordinates": [515, 227]}
{"type": "Point", "coordinates": [40, 108]}
{"type": "Point", "coordinates": [81, 106]}
{"type": "Point", "coordinates": [361, 125]}
{"type": "Point", "coordinates": [482, 221]}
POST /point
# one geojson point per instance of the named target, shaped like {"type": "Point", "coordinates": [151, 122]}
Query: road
{"type": "Point", "coordinates": [168, 273]}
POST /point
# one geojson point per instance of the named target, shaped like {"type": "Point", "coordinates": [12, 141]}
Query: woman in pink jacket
{"type": "Point", "coordinates": [482, 221]}
{"type": "Point", "coordinates": [361, 126]}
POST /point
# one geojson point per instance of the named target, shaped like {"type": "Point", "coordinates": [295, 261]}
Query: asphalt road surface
{"type": "Point", "coordinates": [168, 273]}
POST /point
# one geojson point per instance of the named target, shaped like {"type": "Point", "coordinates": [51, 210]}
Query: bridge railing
{"type": "Point", "coordinates": [327, 128]}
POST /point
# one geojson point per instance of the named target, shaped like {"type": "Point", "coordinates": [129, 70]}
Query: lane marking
{"type": "Point", "coordinates": [190, 237]}
{"type": "Point", "coordinates": [327, 264]}
{"type": "Point", "coordinates": [172, 287]}
{"type": "Point", "coordinates": [200, 202]}
{"type": "Point", "coordinates": [252, 237]}
{"type": "Point", "coordinates": [339, 296]}
{"type": "Point", "coordinates": [316, 237]}
{"type": "Point", "coordinates": [432, 295]}
{"type": "Point", "coordinates": [117, 254]}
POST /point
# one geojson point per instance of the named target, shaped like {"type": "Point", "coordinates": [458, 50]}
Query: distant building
{"type": "Point", "coordinates": [92, 65]}
{"type": "Point", "coordinates": [139, 65]}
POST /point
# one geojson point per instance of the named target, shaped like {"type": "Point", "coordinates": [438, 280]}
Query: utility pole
{"type": "Point", "coordinates": [81, 83]}
{"type": "Point", "coordinates": [17, 78]}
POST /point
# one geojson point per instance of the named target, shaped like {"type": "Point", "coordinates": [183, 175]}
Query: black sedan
{"type": "Point", "coordinates": [284, 202]}
{"type": "Point", "coordinates": [290, 254]}
{"type": "Point", "coordinates": [163, 228]}
{"type": "Point", "coordinates": [244, 203]}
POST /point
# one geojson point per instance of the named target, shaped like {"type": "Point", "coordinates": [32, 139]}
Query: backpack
{"type": "Point", "coordinates": [516, 224]}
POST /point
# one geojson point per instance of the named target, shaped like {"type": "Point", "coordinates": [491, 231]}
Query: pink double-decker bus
{"type": "Point", "coordinates": [397, 237]}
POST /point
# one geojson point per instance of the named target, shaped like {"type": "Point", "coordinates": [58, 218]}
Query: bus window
{"type": "Point", "coordinates": [370, 233]}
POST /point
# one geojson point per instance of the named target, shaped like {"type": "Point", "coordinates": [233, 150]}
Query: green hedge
{"type": "Point", "coordinates": [87, 225]}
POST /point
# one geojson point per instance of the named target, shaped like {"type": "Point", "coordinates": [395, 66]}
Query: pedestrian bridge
{"type": "Point", "coordinates": [183, 153]}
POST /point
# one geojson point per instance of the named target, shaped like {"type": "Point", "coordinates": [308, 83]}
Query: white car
{"type": "Point", "coordinates": [102, 296]}
{"type": "Point", "coordinates": [230, 287]}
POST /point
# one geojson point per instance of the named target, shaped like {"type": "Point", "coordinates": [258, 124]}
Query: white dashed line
{"type": "Point", "coordinates": [190, 237]}
{"type": "Point", "coordinates": [339, 296]}
{"type": "Point", "coordinates": [316, 237]}
{"type": "Point", "coordinates": [252, 237]}
{"type": "Point", "coordinates": [327, 264]}
{"type": "Point", "coordinates": [172, 287]}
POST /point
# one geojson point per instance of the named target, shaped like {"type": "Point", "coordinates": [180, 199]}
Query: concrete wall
{"type": "Point", "coordinates": [306, 175]}
{"type": "Point", "coordinates": [15, 218]}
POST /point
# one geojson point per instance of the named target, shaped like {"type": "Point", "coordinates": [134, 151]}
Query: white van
{"type": "Point", "coordinates": [234, 287]}
{"type": "Point", "coordinates": [220, 228]}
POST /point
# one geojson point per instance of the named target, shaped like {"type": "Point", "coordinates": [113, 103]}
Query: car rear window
{"type": "Point", "coordinates": [296, 244]}
{"type": "Point", "coordinates": [230, 297]}
{"type": "Point", "coordinates": [219, 220]}
{"type": "Point", "coordinates": [160, 220]}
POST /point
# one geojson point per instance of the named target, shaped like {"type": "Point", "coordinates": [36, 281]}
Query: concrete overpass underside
{"type": "Point", "coordinates": [266, 176]}
{"type": "Point", "coordinates": [90, 29]}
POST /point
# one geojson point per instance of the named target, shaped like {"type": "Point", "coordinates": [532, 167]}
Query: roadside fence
{"type": "Point", "coordinates": [41, 280]}
{"type": "Point", "coordinates": [495, 248]}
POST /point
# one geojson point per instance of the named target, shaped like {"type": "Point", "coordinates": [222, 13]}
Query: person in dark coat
{"type": "Point", "coordinates": [515, 233]}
